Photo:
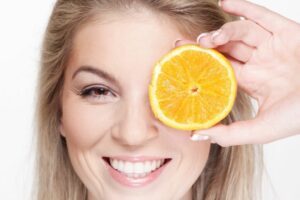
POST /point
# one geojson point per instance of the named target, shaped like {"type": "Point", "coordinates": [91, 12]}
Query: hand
{"type": "Point", "coordinates": [264, 50]}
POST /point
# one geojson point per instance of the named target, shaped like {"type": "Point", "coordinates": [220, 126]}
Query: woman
{"type": "Point", "coordinates": [97, 136]}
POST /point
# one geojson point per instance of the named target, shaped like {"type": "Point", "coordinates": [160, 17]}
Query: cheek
{"type": "Point", "coordinates": [194, 157]}
{"type": "Point", "coordinates": [200, 149]}
{"type": "Point", "coordinates": [196, 154]}
{"type": "Point", "coordinates": [85, 125]}
{"type": "Point", "coordinates": [190, 150]}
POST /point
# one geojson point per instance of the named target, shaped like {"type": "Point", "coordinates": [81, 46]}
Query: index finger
{"type": "Point", "coordinates": [266, 18]}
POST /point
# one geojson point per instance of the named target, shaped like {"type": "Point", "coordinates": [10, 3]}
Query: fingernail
{"type": "Point", "coordinates": [215, 34]}
{"type": "Point", "coordinates": [197, 137]}
{"type": "Point", "coordinates": [176, 42]}
{"type": "Point", "coordinates": [201, 36]}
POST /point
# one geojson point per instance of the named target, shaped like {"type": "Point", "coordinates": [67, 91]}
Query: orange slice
{"type": "Point", "coordinates": [192, 88]}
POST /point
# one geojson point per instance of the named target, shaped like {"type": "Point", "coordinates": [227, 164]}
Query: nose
{"type": "Point", "coordinates": [136, 125]}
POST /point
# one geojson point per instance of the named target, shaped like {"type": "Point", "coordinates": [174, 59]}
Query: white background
{"type": "Point", "coordinates": [22, 24]}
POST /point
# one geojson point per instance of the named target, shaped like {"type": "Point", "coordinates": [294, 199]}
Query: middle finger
{"type": "Point", "coordinates": [245, 31]}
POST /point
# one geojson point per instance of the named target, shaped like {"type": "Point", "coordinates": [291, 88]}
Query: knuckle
{"type": "Point", "coordinates": [223, 143]}
{"type": "Point", "coordinates": [249, 23]}
{"type": "Point", "coordinates": [229, 26]}
{"type": "Point", "coordinates": [238, 28]}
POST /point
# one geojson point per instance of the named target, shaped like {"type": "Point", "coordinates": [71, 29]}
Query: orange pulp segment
{"type": "Point", "coordinates": [192, 88]}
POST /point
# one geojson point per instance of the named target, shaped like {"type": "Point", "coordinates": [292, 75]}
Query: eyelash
{"type": "Point", "coordinates": [95, 91]}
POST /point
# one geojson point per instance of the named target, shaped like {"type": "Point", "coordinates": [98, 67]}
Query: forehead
{"type": "Point", "coordinates": [121, 43]}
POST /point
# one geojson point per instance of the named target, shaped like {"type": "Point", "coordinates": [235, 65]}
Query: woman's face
{"type": "Point", "coordinates": [116, 145]}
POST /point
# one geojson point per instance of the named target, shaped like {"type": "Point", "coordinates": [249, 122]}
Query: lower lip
{"type": "Point", "coordinates": [135, 182]}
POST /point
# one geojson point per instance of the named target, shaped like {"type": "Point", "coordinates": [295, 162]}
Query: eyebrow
{"type": "Point", "coordinates": [99, 72]}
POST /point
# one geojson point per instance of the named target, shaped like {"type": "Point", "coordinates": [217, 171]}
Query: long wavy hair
{"type": "Point", "coordinates": [231, 173]}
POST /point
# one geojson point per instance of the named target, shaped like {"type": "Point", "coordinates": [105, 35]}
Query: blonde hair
{"type": "Point", "coordinates": [230, 171]}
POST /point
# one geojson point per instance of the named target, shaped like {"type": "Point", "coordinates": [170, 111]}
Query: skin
{"type": "Point", "coordinates": [121, 122]}
{"type": "Point", "coordinates": [265, 56]}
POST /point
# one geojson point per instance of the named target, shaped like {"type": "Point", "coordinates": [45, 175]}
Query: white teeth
{"type": "Point", "coordinates": [158, 162]}
{"type": "Point", "coordinates": [114, 163]}
{"type": "Point", "coordinates": [153, 165]}
{"type": "Point", "coordinates": [135, 169]}
{"type": "Point", "coordinates": [128, 168]}
{"type": "Point", "coordinates": [138, 168]}
{"type": "Point", "coordinates": [147, 166]}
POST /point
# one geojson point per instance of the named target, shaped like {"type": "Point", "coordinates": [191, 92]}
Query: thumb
{"type": "Point", "coordinates": [237, 133]}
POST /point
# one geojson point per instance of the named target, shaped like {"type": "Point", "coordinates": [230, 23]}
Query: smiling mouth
{"type": "Point", "coordinates": [136, 169]}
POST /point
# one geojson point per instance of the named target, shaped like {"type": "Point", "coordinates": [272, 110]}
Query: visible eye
{"type": "Point", "coordinates": [97, 93]}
